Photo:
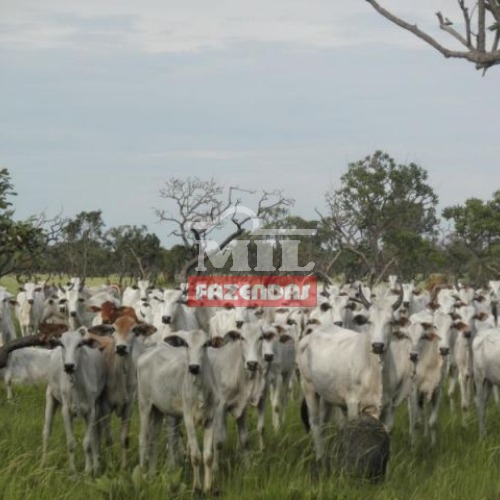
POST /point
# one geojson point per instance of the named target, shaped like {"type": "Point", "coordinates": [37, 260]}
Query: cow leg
{"type": "Point", "coordinates": [173, 431]}
{"type": "Point", "coordinates": [90, 445]}
{"type": "Point", "coordinates": [325, 412]}
{"type": "Point", "coordinates": [387, 416]}
{"type": "Point", "coordinates": [313, 409]}
{"type": "Point", "coordinates": [154, 433]}
{"type": "Point", "coordinates": [261, 413]}
{"type": "Point", "coordinates": [219, 434]}
{"type": "Point", "coordinates": [483, 391]}
{"type": "Point", "coordinates": [51, 405]}
{"type": "Point", "coordinates": [435, 401]}
{"type": "Point", "coordinates": [241, 425]}
{"type": "Point", "coordinates": [496, 395]}
{"type": "Point", "coordinates": [276, 390]}
{"type": "Point", "coordinates": [352, 410]}
{"type": "Point", "coordinates": [287, 378]}
{"type": "Point", "coordinates": [413, 414]}
{"type": "Point", "coordinates": [464, 382]}
{"type": "Point", "coordinates": [105, 423]}
{"type": "Point", "coordinates": [208, 456]}
{"type": "Point", "coordinates": [144, 432]}
{"type": "Point", "coordinates": [194, 449]}
{"type": "Point", "coordinates": [124, 433]}
{"type": "Point", "coordinates": [8, 384]}
{"type": "Point", "coordinates": [452, 383]}
{"type": "Point", "coordinates": [70, 438]}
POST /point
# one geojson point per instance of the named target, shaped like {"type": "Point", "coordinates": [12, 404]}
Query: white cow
{"type": "Point", "coordinates": [343, 368]}
{"type": "Point", "coordinates": [240, 375]}
{"type": "Point", "coordinates": [433, 346]}
{"type": "Point", "coordinates": [190, 395]}
{"type": "Point", "coordinates": [283, 338]}
{"type": "Point", "coordinates": [54, 308]}
{"type": "Point", "coordinates": [77, 377]}
{"type": "Point", "coordinates": [175, 313]}
{"type": "Point", "coordinates": [486, 353]}
{"type": "Point", "coordinates": [7, 329]}
{"type": "Point", "coordinates": [29, 307]}
{"type": "Point", "coordinates": [26, 366]}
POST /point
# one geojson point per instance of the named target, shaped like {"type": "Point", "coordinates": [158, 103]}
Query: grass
{"type": "Point", "coordinates": [460, 466]}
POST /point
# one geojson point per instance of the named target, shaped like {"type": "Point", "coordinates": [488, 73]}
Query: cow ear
{"type": "Point", "coordinates": [280, 329]}
{"type": "Point", "coordinates": [144, 329]}
{"type": "Point", "coordinates": [285, 339]}
{"type": "Point", "coordinates": [233, 335]}
{"type": "Point", "coordinates": [90, 342]}
{"type": "Point", "coordinates": [325, 306]}
{"type": "Point", "coordinates": [102, 330]}
{"type": "Point", "coordinates": [54, 342]}
{"type": "Point", "coordinates": [215, 342]}
{"type": "Point", "coordinates": [175, 341]}
{"type": "Point", "coordinates": [313, 321]}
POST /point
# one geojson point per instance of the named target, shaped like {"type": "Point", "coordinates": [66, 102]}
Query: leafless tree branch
{"type": "Point", "coordinates": [476, 52]}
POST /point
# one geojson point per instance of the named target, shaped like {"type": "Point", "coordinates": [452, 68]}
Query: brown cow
{"type": "Point", "coordinates": [121, 348]}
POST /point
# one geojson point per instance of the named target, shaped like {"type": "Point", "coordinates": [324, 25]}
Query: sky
{"type": "Point", "coordinates": [102, 101]}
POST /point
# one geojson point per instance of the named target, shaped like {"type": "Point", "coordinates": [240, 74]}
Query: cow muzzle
{"type": "Point", "coordinates": [166, 320]}
{"type": "Point", "coordinates": [73, 314]}
{"type": "Point", "coordinates": [252, 366]}
{"type": "Point", "coordinates": [69, 368]}
{"type": "Point", "coordinates": [378, 347]}
{"type": "Point", "coordinates": [194, 369]}
{"type": "Point", "coordinates": [121, 350]}
{"type": "Point", "coordinates": [413, 357]}
{"type": "Point", "coordinates": [239, 324]}
{"type": "Point", "coordinates": [444, 351]}
{"type": "Point", "coordinates": [338, 323]}
{"type": "Point", "coordinates": [268, 358]}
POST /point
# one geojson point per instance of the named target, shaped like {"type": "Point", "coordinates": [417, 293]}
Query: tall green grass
{"type": "Point", "coordinates": [460, 466]}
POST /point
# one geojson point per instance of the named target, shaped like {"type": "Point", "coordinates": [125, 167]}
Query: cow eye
{"type": "Point", "coordinates": [80, 299]}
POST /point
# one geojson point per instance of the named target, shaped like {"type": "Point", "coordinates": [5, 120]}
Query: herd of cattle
{"type": "Point", "coordinates": [361, 351]}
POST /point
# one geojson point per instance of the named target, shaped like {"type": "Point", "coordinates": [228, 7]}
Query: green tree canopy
{"type": "Point", "coordinates": [380, 211]}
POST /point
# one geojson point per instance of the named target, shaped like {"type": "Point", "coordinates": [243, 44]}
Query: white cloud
{"type": "Point", "coordinates": [155, 26]}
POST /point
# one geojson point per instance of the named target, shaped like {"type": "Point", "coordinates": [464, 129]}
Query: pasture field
{"type": "Point", "coordinates": [459, 467]}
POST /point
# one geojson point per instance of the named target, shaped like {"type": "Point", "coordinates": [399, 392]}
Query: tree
{"type": "Point", "coordinates": [380, 211]}
{"type": "Point", "coordinates": [22, 243]}
{"type": "Point", "coordinates": [475, 243]}
{"type": "Point", "coordinates": [134, 251]}
{"type": "Point", "coordinates": [82, 245]}
{"type": "Point", "coordinates": [479, 38]}
{"type": "Point", "coordinates": [204, 207]}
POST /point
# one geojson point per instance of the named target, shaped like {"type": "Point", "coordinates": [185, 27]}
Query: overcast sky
{"type": "Point", "coordinates": [101, 101]}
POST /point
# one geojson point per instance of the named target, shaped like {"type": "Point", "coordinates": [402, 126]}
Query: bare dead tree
{"type": "Point", "coordinates": [479, 36]}
{"type": "Point", "coordinates": [203, 207]}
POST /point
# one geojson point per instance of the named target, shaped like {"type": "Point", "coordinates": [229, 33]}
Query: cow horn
{"type": "Point", "coordinates": [399, 300]}
{"type": "Point", "coordinates": [362, 297]}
